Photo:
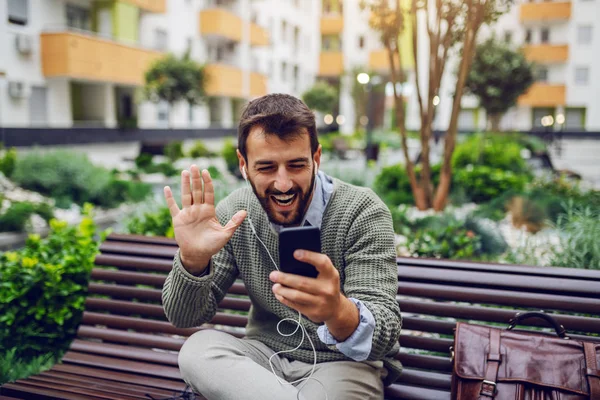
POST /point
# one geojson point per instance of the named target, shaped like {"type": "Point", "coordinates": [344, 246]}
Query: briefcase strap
{"type": "Point", "coordinates": [592, 370]}
{"type": "Point", "coordinates": [494, 358]}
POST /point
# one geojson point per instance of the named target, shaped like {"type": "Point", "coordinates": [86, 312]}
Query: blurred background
{"type": "Point", "coordinates": [105, 101]}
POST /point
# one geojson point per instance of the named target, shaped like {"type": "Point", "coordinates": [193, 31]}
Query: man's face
{"type": "Point", "coordinates": [282, 174]}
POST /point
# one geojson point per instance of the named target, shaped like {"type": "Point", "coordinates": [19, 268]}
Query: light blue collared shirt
{"type": "Point", "coordinates": [358, 345]}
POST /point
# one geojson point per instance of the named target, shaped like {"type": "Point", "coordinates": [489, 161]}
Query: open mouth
{"type": "Point", "coordinates": [284, 200]}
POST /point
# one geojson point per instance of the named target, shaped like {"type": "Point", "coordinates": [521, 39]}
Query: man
{"type": "Point", "coordinates": [350, 309]}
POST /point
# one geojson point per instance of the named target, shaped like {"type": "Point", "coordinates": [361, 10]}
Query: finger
{"type": "Point", "coordinates": [196, 185]}
{"type": "Point", "coordinates": [236, 221]}
{"type": "Point", "coordinates": [294, 296]}
{"type": "Point", "coordinates": [186, 191]}
{"type": "Point", "coordinates": [171, 203]}
{"type": "Point", "coordinates": [209, 190]}
{"type": "Point", "coordinates": [320, 261]}
{"type": "Point", "coordinates": [304, 284]}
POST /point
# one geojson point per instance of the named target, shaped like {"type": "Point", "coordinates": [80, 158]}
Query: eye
{"type": "Point", "coordinates": [265, 169]}
{"type": "Point", "coordinates": [297, 166]}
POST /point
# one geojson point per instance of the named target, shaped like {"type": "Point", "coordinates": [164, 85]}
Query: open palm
{"type": "Point", "coordinates": [198, 232]}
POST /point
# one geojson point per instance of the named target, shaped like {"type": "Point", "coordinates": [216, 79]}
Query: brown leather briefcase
{"type": "Point", "coordinates": [502, 364]}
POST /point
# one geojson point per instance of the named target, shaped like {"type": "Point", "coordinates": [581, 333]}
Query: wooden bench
{"type": "Point", "coordinates": [126, 349]}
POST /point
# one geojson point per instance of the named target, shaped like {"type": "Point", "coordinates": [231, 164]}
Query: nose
{"type": "Point", "coordinates": [283, 183]}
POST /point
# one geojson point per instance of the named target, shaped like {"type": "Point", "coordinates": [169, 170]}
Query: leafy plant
{"type": "Point", "coordinates": [143, 160]}
{"type": "Point", "coordinates": [8, 160]}
{"type": "Point", "coordinates": [229, 153]}
{"type": "Point", "coordinates": [498, 76]}
{"type": "Point", "coordinates": [496, 151]}
{"type": "Point", "coordinates": [152, 223]}
{"type": "Point", "coordinates": [580, 247]}
{"type": "Point", "coordinates": [42, 294]}
{"type": "Point", "coordinates": [174, 150]}
{"type": "Point", "coordinates": [15, 218]}
{"type": "Point", "coordinates": [393, 186]}
{"type": "Point", "coordinates": [321, 97]}
{"type": "Point", "coordinates": [483, 183]}
{"type": "Point", "coordinates": [492, 241]}
{"type": "Point", "coordinates": [200, 150]}
{"type": "Point", "coordinates": [452, 241]}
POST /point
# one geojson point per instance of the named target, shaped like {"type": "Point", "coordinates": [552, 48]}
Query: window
{"type": "Point", "coordinates": [283, 71]}
{"type": "Point", "coordinates": [575, 119]}
{"type": "Point", "coordinates": [582, 75]}
{"type": "Point", "coordinates": [189, 47]}
{"type": "Point", "coordinates": [584, 34]}
{"type": "Point", "coordinates": [18, 10]}
{"type": "Point", "coordinates": [508, 36]}
{"type": "Point", "coordinates": [361, 42]}
{"type": "Point", "coordinates": [545, 35]}
{"type": "Point", "coordinates": [542, 74]}
{"type": "Point", "coordinates": [296, 77]}
{"type": "Point", "coordinates": [78, 17]}
{"type": "Point", "coordinates": [528, 35]}
{"type": "Point", "coordinates": [191, 114]}
{"type": "Point", "coordinates": [283, 31]}
{"type": "Point", "coordinates": [161, 40]}
{"type": "Point", "coordinates": [162, 112]}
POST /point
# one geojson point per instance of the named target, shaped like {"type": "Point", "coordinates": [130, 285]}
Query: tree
{"type": "Point", "coordinates": [321, 97]}
{"type": "Point", "coordinates": [448, 23]}
{"type": "Point", "coordinates": [173, 79]}
{"type": "Point", "coordinates": [498, 77]}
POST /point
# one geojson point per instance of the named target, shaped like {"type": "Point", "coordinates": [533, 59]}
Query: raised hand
{"type": "Point", "coordinates": [198, 232]}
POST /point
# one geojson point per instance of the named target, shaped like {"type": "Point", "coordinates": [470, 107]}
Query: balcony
{"type": "Point", "coordinates": [544, 95]}
{"type": "Point", "coordinates": [258, 84]}
{"type": "Point", "coordinates": [547, 53]}
{"type": "Point", "coordinates": [379, 61]}
{"type": "Point", "coordinates": [154, 6]}
{"type": "Point", "coordinates": [224, 81]}
{"type": "Point", "coordinates": [332, 25]}
{"type": "Point", "coordinates": [221, 23]}
{"type": "Point", "coordinates": [258, 36]}
{"type": "Point", "coordinates": [545, 11]}
{"type": "Point", "coordinates": [331, 63]}
{"type": "Point", "coordinates": [82, 56]}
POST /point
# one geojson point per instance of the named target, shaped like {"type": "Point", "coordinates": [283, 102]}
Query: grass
{"type": "Point", "coordinates": [13, 368]}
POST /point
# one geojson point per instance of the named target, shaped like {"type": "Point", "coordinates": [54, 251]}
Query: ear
{"type": "Point", "coordinates": [317, 158]}
{"type": "Point", "coordinates": [242, 165]}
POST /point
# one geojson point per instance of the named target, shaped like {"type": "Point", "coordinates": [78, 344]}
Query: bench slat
{"type": "Point", "coordinates": [23, 387]}
{"type": "Point", "coordinates": [132, 338]}
{"type": "Point", "coordinates": [423, 361]}
{"type": "Point", "coordinates": [406, 392]}
{"type": "Point", "coordinates": [140, 249]}
{"type": "Point", "coordinates": [426, 343]}
{"type": "Point", "coordinates": [123, 261]}
{"type": "Point", "coordinates": [128, 277]}
{"type": "Point", "coordinates": [130, 238]}
{"type": "Point", "coordinates": [125, 307]}
{"type": "Point", "coordinates": [75, 386]}
{"type": "Point", "coordinates": [518, 299]}
{"type": "Point", "coordinates": [129, 352]}
{"type": "Point", "coordinates": [433, 380]}
{"type": "Point", "coordinates": [60, 387]}
{"type": "Point", "coordinates": [138, 324]}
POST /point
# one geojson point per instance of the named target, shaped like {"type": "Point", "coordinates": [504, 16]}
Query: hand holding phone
{"type": "Point", "coordinates": [298, 238]}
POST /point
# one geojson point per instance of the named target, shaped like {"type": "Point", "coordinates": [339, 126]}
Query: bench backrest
{"type": "Point", "coordinates": [124, 307]}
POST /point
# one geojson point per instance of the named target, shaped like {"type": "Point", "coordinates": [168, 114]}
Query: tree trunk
{"type": "Point", "coordinates": [443, 190]}
{"type": "Point", "coordinates": [495, 122]}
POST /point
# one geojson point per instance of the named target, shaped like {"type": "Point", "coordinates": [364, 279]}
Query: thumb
{"type": "Point", "coordinates": [236, 221]}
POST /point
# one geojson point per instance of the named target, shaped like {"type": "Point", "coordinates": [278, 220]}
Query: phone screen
{"type": "Point", "coordinates": [298, 238]}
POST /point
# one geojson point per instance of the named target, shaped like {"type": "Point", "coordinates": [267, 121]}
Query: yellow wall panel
{"type": "Point", "coordinates": [545, 10]}
{"type": "Point", "coordinates": [155, 6]}
{"type": "Point", "coordinates": [258, 36]}
{"type": "Point", "coordinates": [224, 81]}
{"type": "Point", "coordinates": [331, 63]}
{"type": "Point", "coordinates": [258, 84]}
{"type": "Point", "coordinates": [332, 25]}
{"type": "Point", "coordinates": [221, 22]}
{"type": "Point", "coordinates": [546, 53]}
{"type": "Point", "coordinates": [544, 95]}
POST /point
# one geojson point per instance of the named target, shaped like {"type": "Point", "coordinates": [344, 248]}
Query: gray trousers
{"type": "Point", "coordinates": [222, 367]}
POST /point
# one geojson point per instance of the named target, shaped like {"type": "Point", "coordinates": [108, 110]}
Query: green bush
{"type": "Point", "coordinates": [120, 191]}
{"type": "Point", "coordinates": [15, 218]}
{"type": "Point", "coordinates": [483, 183]}
{"type": "Point", "coordinates": [42, 294]}
{"type": "Point", "coordinates": [200, 150]}
{"type": "Point", "coordinates": [174, 150]}
{"type": "Point", "coordinates": [157, 223]}
{"type": "Point", "coordinates": [72, 178]}
{"type": "Point", "coordinates": [229, 153]}
{"type": "Point", "coordinates": [214, 172]}
{"type": "Point", "coordinates": [452, 241]}
{"type": "Point", "coordinates": [580, 247]}
{"type": "Point", "coordinates": [492, 241]}
{"type": "Point", "coordinates": [8, 160]}
{"type": "Point", "coordinates": [393, 186]}
{"type": "Point", "coordinates": [143, 160]}
{"type": "Point", "coordinates": [496, 151]}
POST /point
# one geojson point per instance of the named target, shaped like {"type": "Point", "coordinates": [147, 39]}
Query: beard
{"type": "Point", "coordinates": [295, 215]}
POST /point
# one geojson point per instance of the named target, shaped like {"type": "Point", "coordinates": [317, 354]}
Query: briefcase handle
{"type": "Point", "coordinates": [560, 330]}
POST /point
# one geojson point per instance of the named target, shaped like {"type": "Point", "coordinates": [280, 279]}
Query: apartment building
{"type": "Point", "coordinates": [81, 63]}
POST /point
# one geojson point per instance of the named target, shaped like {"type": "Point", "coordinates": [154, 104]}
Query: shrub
{"type": "Point", "coordinates": [8, 160]}
{"type": "Point", "coordinates": [120, 191]}
{"type": "Point", "coordinates": [143, 160]}
{"type": "Point", "coordinates": [153, 223]}
{"type": "Point", "coordinates": [393, 186]}
{"type": "Point", "coordinates": [200, 150]}
{"type": "Point", "coordinates": [580, 247]}
{"type": "Point", "coordinates": [496, 151]}
{"type": "Point", "coordinates": [483, 183]}
{"type": "Point", "coordinates": [42, 293]}
{"type": "Point", "coordinates": [452, 241]}
{"type": "Point", "coordinates": [174, 150]}
{"type": "Point", "coordinates": [229, 153]}
{"type": "Point", "coordinates": [492, 241]}
{"type": "Point", "coordinates": [15, 218]}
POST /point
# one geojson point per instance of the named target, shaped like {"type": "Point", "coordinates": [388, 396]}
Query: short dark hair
{"type": "Point", "coordinates": [278, 114]}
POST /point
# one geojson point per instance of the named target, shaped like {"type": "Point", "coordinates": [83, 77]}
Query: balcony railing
{"type": "Point", "coordinates": [221, 22]}
{"type": "Point", "coordinates": [547, 53]}
{"type": "Point", "coordinates": [155, 6]}
{"type": "Point", "coordinates": [332, 24]}
{"type": "Point", "coordinates": [545, 11]}
{"type": "Point", "coordinates": [87, 56]}
{"type": "Point", "coordinates": [544, 95]}
{"type": "Point", "coordinates": [331, 63]}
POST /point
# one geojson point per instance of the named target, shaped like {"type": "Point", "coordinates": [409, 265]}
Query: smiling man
{"type": "Point", "coordinates": [350, 310]}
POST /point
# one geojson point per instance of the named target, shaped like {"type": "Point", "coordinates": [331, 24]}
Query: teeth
{"type": "Point", "coordinates": [284, 197]}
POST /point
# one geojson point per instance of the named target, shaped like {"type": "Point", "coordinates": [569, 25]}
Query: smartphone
{"type": "Point", "coordinates": [298, 238]}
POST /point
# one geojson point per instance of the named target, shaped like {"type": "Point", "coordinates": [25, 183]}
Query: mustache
{"type": "Point", "coordinates": [275, 192]}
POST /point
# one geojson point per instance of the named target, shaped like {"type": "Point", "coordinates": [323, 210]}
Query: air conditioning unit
{"type": "Point", "coordinates": [23, 43]}
{"type": "Point", "coordinates": [17, 89]}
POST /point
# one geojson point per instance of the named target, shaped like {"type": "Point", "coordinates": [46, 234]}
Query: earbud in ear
{"type": "Point", "coordinates": [317, 170]}
{"type": "Point", "coordinates": [244, 173]}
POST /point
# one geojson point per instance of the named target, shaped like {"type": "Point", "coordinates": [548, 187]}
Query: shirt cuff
{"type": "Point", "coordinates": [358, 345]}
